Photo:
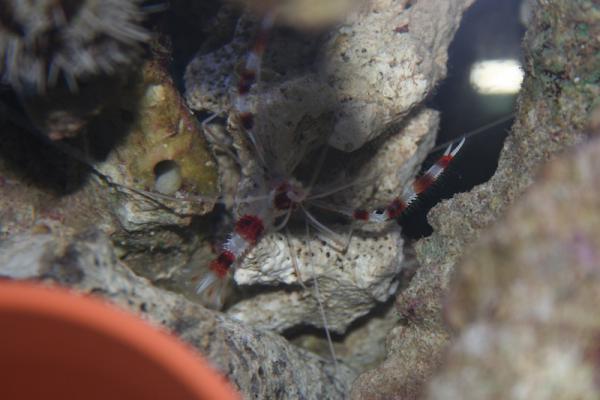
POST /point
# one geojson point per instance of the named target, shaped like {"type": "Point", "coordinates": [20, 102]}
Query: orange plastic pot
{"type": "Point", "coordinates": [58, 345]}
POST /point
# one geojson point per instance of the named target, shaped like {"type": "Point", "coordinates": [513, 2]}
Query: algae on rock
{"type": "Point", "coordinates": [162, 130]}
{"type": "Point", "coordinates": [525, 302]}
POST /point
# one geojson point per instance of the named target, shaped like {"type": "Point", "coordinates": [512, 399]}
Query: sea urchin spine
{"type": "Point", "coordinates": [43, 40]}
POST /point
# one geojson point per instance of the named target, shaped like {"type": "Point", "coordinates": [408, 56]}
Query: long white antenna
{"type": "Point", "coordinates": [317, 295]}
{"type": "Point", "coordinates": [474, 132]}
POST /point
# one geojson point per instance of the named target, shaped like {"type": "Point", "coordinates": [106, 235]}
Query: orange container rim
{"type": "Point", "coordinates": [99, 315]}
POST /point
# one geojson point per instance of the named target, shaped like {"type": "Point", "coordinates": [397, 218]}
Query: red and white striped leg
{"type": "Point", "coordinates": [249, 75]}
{"type": "Point", "coordinates": [248, 230]}
{"type": "Point", "coordinates": [397, 206]}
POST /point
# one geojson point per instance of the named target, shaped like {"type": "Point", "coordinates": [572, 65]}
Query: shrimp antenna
{"type": "Point", "coordinates": [317, 295]}
{"type": "Point", "coordinates": [474, 132]}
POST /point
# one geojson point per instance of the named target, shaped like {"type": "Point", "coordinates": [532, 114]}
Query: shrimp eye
{"type": "Point", "coordinates": [379, 211]}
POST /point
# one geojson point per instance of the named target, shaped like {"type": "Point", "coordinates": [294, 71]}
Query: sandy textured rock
{"type": "Point", "coordinates": [162, 131]}
{"type": "Point", "coordinates": [352, 281]}
{"type": "Point", "coordinates": [108, 176]}
{"type": "Point", "coordinates": [39, 232]}
{"type": "Point", "coordinates": [414, 347]}
{"type": "Point", "coordinates": [126, 145]}
{"type": "Point", "coordinates": [554, 109]}
{"type": "Point", "coordinates": [88, 263]}
{"type": "Point", "coordinates": [525, 303]}
{"type": "Point", "coordinates": [364, 78]}
{"type": "Point", "coordinates": [411, 375]}
{"type": "Point", "coordinates": [369, 73]}
{"type": "Point", "coordinates": [42, 190]}
{"type": "Point", "coordinates": [553, 113]}
{"type": "Point", "coordinates": [406, 53]}
{"type": "Point", "coordinates": [390, 166]}
{"type": "Point", "coordinates": [296, 112]}
{"type": "Point", "coordinates": [518, 362]}
{"type": "Point", "coordinates": [366, 75]}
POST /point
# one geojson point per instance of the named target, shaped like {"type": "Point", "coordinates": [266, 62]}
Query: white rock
{"type": "Point", "coordinates": [366, 84]}
{"type": "Point", "coordinates": [370, 72]}
{"type": "Point", "coordinates": [350, 282]}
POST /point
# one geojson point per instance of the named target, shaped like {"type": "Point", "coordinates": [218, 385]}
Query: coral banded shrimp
{"type": "Point", "coordinates": [270, 194]}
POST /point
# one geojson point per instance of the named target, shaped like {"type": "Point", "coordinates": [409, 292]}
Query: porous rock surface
{"type": "Point", "coordinates": [258, 363]}
{"type": "Point", "coordinates": [107, 177]}
{"type": "Point", "coordinates": [44, 234]}
{"type": "Point", "coordinates": [163, 130]}
{"type": "Point", "coordinates": [362, 82]}
{"type": "Point", "coordinates": [554, 112]}
{"type": "Point", "coordinates": [405, 50]}
{"type": "Point", "coordinates": [554, 109]}
{"type": "Point", "coordinates": [393, 163]}
{"type": "Point", "coordinates": [370, 72]}
{"type": "Point", "coordinates": [350, 282]}
{"type": "Point", "coordinates": [353, 281]}
{"type": "Point", "coordinates": [525, 302]}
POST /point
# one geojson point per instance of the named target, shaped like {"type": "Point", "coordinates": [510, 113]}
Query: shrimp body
{"type": "Point", "coordinates": [275, 194]}
{"type": "Point", "coordinates": [259, 218]}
